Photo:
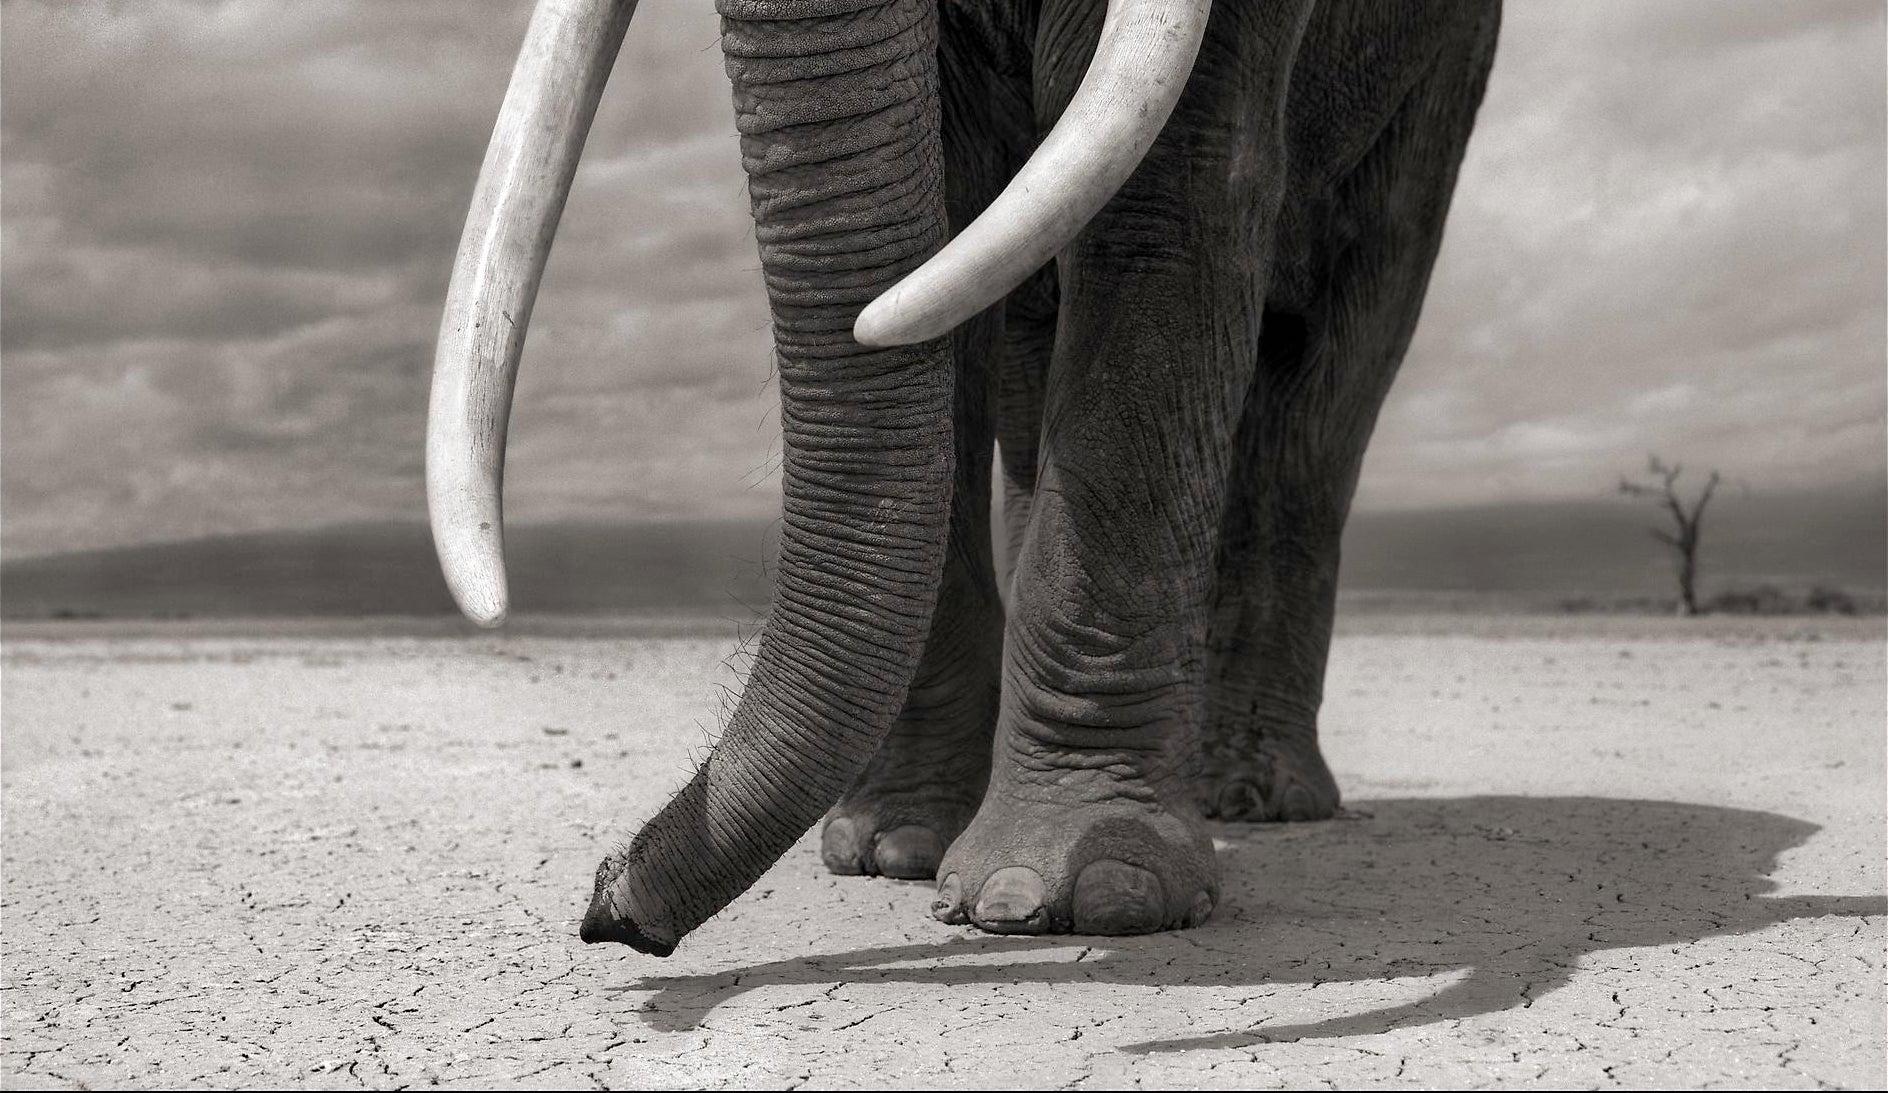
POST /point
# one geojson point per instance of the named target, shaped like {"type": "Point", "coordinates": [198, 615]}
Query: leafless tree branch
{"type": "Point", "coordinates": [1687, 519]}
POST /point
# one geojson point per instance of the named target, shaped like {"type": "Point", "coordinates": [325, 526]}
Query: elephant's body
{"type": "Point", "coordinates": [1182, 400]}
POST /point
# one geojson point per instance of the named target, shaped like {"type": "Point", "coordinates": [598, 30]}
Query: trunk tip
{"type": "Point", "coordinates": [600, 926]}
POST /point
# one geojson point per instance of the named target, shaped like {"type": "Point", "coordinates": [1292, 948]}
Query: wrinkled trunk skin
{"type": "Point", "coordinates": [837, 107]}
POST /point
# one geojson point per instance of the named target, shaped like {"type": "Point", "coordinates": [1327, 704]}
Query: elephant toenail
{"type": "Point", "coordinates": [1113, 897]}
{"type": "Point", "coordinates": [1012, 902]}
{"type": "Point", "coordinates": [839, 847]}
{"type": "Point", "coordinates": [1201, 910]}
{"type": "Point", "coordinates": [947, 906]}
{"type": "Point", "coordinates": [1298, 804]}
{"type": "Point", "coordinates": [1239, 800]}
{"type": "Point", "coordinates": [910, 852]}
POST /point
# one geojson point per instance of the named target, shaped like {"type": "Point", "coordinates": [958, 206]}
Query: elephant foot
{"type": "Point", "coordinates": [901, 840]}
{"type": "Point", "coordinates": [916, 795]}
{"type": "Point", "coordinates": [923, 784]}
{"type": "Point", "coordinates": [1033, 867]}
{"type": "Point", "coordinates": [1270, 784]}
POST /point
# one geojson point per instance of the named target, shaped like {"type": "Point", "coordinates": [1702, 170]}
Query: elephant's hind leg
{"type": "Point", "coordinates": [1327, 358]}
{"type": "Point", "coordinates": [1275, 596]}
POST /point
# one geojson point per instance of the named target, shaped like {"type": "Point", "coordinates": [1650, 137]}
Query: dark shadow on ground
{"type": "Point", "coordinates": [1514, 889]}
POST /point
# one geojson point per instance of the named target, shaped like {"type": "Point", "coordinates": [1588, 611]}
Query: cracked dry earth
{"type": "Point", "coordinates": [1581, 853]}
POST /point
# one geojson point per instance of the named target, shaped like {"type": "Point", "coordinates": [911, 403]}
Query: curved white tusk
{"type": "Point", "coordinates": [1141, 65]}
{"type": "Point", "coordinates": [565, 60]}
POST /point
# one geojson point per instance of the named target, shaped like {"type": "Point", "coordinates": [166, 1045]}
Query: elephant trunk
{"type": "Point", "coordinates": [838, 111]}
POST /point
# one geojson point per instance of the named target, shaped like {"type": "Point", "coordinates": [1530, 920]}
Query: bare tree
{"type": "Point", "coordinates": [1687, 519]}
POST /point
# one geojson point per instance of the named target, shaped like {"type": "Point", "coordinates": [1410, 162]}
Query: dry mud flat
{"type": "Point", "coordinates": [1584, 853]}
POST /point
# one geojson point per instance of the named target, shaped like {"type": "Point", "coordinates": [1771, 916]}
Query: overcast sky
{"type": "Point", "coordinates": [227, 228]}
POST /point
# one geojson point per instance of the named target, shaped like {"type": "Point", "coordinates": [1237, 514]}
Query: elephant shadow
{"type": "Point", "coordinates": [1507, 893]}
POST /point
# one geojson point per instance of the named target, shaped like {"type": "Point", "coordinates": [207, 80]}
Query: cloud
{"type": "Point", "coordinates": [1668, 235]}
{"type": "Point", "coordinates": [227, 228]}
{"type": "Point", "coordinates": [223, 272]}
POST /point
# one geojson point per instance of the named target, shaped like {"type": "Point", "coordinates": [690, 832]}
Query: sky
{"type": "Point", "coordinates": [225, 232]}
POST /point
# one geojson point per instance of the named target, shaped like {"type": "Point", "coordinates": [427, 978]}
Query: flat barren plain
{"type": "Point", "coordinates": [1578, 852]}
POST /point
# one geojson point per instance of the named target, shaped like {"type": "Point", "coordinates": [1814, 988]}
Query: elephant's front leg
{"type": "Point", "coordinates": [1090, 824]}
{"type": "Point", "coordinates": [926, 779]}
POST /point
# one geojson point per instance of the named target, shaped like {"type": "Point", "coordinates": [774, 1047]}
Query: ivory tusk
{"type": "Point", "coordinates": [566, 58]}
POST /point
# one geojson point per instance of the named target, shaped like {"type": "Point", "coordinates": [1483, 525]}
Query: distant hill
{"type": "Point", "coordinates": [390, 569]}
{"type": "Point", "coordinates": [1539, 554]}
{"type": "Point", "coordinates": [1606, 548]}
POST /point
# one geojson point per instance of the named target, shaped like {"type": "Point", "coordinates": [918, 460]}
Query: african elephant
{"type": "Point", "coordinates": [1166, 256]}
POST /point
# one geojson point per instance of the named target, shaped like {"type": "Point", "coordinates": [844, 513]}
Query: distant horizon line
{"type": "Point", "coordinates": [1876, 490]}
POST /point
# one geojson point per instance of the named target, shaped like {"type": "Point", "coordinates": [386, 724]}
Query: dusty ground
{"type": "Point", "coordinates": [1586, 853]}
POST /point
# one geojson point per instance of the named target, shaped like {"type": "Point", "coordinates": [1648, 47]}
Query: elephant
{"type": "Point", "coordinates": [1152, 263]}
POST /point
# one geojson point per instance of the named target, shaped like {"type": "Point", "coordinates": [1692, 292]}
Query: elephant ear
{"type": "Point", "coordinates": [568, 51]}
{"type": "Point", "coordinates": [1140, 67]}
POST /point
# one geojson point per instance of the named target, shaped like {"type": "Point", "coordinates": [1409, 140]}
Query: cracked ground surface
{"type": "Point", "coordinates": [1581, 853]}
